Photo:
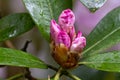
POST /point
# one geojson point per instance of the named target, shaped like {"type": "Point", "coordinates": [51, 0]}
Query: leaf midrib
{"type": "Point", "coordinates": [101, 62]}
{"type": "Point", "coordinates": [100, 41]}
{"type": "Point", "coordinates": [21, 58]}
{"type": "Point", "coordinates": [50, 8]}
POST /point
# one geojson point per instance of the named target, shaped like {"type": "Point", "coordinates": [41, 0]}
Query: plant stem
{"type": "Point", "coordinates": [80, 63]}
{"type": "Point", "coordinates": [52, 67]}
{"type": "Point", "coordinates": [28, 74]}
{"type": "Point", "coordinates": [26, 46]}
{"type": "Point", "coordinates": [48, 77]}
{"type": "Point", "coordinates": [57, 76]}
{"type": "Point", "coordinates": [27, 71]}
{"type": "Point", "coordinates": [9, 44]}
{"type": "Point", "coordinates": [65, 72]}
{"type": "Point", "coordinates": [73, 76]}
{"type": "Point", "coordinates": [16, 76]}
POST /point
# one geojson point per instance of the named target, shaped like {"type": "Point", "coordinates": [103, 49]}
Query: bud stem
{"type": "Point", "coordinates": [57, 76]}
{"type": "Point", "coordinates": [73, 76]}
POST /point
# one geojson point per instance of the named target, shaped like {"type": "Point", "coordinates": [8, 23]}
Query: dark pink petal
{"type": "Point", "coordinates": [63, 38]}
{"type": "Point", "coordinates": [66, 19]}
{"type": "Point", "coordinates": [54, 29]}
{"type": "Point", "coordinates": [79, 43]}
{"type": "Point", "coordinates": [72, 33]}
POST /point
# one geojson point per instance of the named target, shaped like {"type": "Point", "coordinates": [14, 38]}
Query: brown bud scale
{"type": "Point", "coordinates": [64, 57]}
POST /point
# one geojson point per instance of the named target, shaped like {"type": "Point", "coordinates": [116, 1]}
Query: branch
{"type": "Point", "coordinates": [26, 46]}
{"type": "Point", "coordinates": [27, 71]}
{"type": "Point", "coordinates": [9, 44]}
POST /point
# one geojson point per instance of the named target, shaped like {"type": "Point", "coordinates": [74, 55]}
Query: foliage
{"type": "Point", "coordinates": [15, 24]}
{"type": "Point", "coordinates": [42, 11]}
{"type": "Point", "coordinates": [93, 5]}
{"type": "Point", "coordinates": [105, 35]}
{"type": "Point", "coordinates": [109, 61]}
{"type": "Point", "coordinates": [18, 58]}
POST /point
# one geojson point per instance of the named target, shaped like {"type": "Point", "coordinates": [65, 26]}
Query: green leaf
{"type": "Point", "coordinates": [42, 11]}
{"type": "Point", "coordinates": [108, 61]}
{"type": "Point", "coordinates": [105, 34]}
{"type": "Point", "coordinates": [14, 25]}
{"type": "Point", "coordinates": [93, 5]}
{"type": "Point", "coordinates": [92, 74]}
{"type": "Point", "coordinates": [13, 57]}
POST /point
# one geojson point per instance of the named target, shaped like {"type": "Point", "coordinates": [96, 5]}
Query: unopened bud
{"type": "Point", "coordinates": [79, 43]}
{"type": "Point", "coordinates": [65, 44]}
{"type": "Point", "coordinates": [72, 33]}
{"type": "Point", "coordinates": [66, 19]}
{"type": "Point", "coordinates": [54, 29]}
{"type": "Point", "coordinates": [63, 38]}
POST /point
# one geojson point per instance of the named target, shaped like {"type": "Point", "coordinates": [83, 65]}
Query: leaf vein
{"type": "Point", "coordinates": [50, 8]}
{"type": "Point", "coordinates": [101, 40]}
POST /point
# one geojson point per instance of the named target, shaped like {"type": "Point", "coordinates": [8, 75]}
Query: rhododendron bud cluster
{"type": "Point", "coordinates": [65, 43]}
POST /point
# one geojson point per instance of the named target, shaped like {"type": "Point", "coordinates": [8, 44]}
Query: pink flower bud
{"type": "Point", "coordinates": [66, 19]}
{"type": "Point", "coordinates": [63, 38]}
{"type": "Point", "coordinates": [54, 29]}
{"type": "Point", "coordinates": [79, 43]}
{"type": "Point", "coordinates": [66, 46]}
{"type": "Point", "coordinates": [72, 33]}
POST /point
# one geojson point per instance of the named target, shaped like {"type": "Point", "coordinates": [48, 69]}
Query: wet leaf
{"type": "Point", "coordinates": [15, 25]}
{"type": "Point", "coordinates": [105, 34]}
{"type": "Point", "coordinates": [42, 11]}
{"type": "Point", "coordinates": [93, 5]}
{"type": "Point", "coordinates": [13, 57]}
{"type": "Point", "coordinates": [109, 61]}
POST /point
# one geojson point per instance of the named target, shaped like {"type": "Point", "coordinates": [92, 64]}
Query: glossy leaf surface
{"type": "Point", "coordinates": [13, 57]}
{"type": "Point", "coordinates": [93, 5]}
{"type": "Point", "coordinates": [105, 34]}
{"type": "Point", "coordinates": [15, 25]}
{"type": "Point", "coordinates": [108, 61]}
{"type": "Point", "coordinates": [42, 11]}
